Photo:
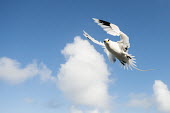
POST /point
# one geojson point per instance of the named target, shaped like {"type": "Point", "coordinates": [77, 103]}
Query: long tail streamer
{"type": "Point", "coordinates": [141, 69]}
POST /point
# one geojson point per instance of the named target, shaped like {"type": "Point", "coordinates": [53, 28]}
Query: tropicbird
{"type": "Point", "coordinates": [115, 50]}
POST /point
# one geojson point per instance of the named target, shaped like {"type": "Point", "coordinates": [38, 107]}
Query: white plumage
{"type": "Point", "coordinates": [117, 49]}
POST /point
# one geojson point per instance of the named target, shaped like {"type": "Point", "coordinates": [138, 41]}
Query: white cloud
{"type": "Point", "coordinates": [45, 73]}
{"type": "Point", "coordinates": [75, 110]}
{"type": "Point", "coordinates": [84, 76]}
{"type": "Point", "coordinates": [162, 96]}
{"type": "Point", "coordinates": [94, 111]}
{"type": "Point", "coordinates": [140, 101]}
{"type": "Point", "coordinates": [12, 72]}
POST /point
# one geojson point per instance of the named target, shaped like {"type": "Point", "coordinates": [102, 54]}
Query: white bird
{"type": "Point", "coordinates": [117, 49]}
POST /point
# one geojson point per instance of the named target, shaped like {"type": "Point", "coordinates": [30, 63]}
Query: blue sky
{"type": "Point", "coordinates": [38, 30]}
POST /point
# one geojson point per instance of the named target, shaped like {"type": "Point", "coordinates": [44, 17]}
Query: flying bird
{"type": "Point", "coordinates": [115, 50]}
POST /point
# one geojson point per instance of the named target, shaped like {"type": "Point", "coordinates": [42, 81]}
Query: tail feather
{"type": "Point", "coordinates": [130, 64]}
{"type": "Point", "coordinates": [141, 69]}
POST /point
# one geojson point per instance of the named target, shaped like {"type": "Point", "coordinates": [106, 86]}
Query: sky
{"type": "Point", "coordinates": [47, 65]}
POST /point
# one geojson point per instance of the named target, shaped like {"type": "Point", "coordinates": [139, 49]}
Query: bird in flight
{"type": "Point", "coordinates": [115, 50]}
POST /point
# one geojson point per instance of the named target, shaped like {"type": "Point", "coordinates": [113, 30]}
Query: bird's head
{"type": "Point", "coordinates": [106, 40]}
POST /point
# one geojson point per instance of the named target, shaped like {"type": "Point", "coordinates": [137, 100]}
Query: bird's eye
{"type": "Point", "coordinates": [108, 40]}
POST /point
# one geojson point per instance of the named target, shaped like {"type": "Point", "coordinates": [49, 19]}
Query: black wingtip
{"type": "Point", "coordinates": [104, 22]}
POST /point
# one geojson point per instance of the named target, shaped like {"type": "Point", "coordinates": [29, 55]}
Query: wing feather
{"type": "Point", "coordinates": [110, 56]}
{"type": "Point", "coordinates": [92, 39]}
{"type": "Point", "coordinates": [114, 30]}
{"type": "Point", "coordinates": [110, 28]}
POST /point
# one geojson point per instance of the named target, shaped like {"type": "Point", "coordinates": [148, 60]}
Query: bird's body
{"type": "Point", "coordinates": [110, 45]}
{"type": "Point", "coordinates": [117, 49]}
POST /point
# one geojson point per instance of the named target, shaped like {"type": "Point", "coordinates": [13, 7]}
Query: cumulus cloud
{"type": "Point", "coordinates": [162, 96]}
{"type": "Point", "coordinates": [75, 110]}
{"type": "Point", "coordinates": [84, 76]}
{"type": "Point", "coordinates": [94, 111]}
{"type": "Point", "coordinates": [140, 101]}
{"type": "Point", "coordinates": [12, 72]}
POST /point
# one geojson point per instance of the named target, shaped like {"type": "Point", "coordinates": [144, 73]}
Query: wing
{"type": "Point", "coordinates": [110, 56]}
{"type": "Point", "coordinates": [108, 27]}
{"type": "Point", "coordinates": [124, 42]}
{"type": "Point", "coordinates": [114, 30]}
{"type": "Point", "coordinates": [92, 39]}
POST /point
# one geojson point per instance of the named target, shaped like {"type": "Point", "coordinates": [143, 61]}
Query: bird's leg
{"type": "Point", "coordinates": [123, 62]}
{"type": "Point", "coordinates": [129, 57]}
{"type": "Point", "coordinates": [126, 54]}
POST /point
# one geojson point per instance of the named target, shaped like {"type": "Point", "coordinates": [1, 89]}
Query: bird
{"type": "Point", "coordinates": [115, 50]}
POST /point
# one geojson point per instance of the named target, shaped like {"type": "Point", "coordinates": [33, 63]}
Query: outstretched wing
{"type": "Point", "coordinates": [110, 56]}
{"type": "Point", "coordinates": [114, 30]}
{"type": "Point", "coordinates": [110, 28]}
{"type": "Point", "coordinates": [92, 39]}
{"type": "Point", "coordinates": [124, 42]}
